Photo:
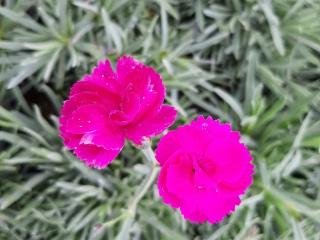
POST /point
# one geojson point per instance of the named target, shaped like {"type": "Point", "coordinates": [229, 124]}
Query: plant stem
{"type": "Point", "coordinates": [143, 188]}
{"type": "Point", "coordinates": [149, 154]}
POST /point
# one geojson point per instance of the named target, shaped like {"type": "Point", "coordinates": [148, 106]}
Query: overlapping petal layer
{"type": "Point", "coordinates": [107, 107]}
{"type": "Point", "coordinates": [204, 170]}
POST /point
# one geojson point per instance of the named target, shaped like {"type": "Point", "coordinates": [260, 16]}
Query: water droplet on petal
{"type": "Point", "coordinates": [204, 126]}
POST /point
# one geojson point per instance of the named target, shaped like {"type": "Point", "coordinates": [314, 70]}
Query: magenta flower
{"type": "Point", "coordinates": [107, 107]}
{"type": "Point", "coordinates": [204, 170]}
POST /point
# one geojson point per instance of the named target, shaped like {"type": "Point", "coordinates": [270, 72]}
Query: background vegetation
{"type": "Point", "coordinates": [253, 63]}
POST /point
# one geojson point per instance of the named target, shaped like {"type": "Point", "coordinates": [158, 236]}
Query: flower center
{"type": "Point", "coordinates": [202, 171]}
{"type": "Point", "coordinates": [208, 166]}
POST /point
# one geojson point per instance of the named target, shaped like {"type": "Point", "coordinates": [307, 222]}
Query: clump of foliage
{"type": "Point", "coordinates": [252, 63]}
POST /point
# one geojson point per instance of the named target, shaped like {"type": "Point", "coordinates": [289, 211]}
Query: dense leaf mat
{"type": "Point", "coordinates": [252, 63]}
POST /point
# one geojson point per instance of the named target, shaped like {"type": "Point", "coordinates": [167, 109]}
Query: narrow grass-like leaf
{"type": "Point", "coordinates": [23, 20]}
{"type": "Point", "coordinates": [232, 102]}
{"type": "Point", "coordinates": [21, 190]}
{"type": "Point", "coordinates": [273, 21]}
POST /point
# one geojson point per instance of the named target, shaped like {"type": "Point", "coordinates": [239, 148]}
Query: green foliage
{"type": "Point", "coordinates": [253, 63]}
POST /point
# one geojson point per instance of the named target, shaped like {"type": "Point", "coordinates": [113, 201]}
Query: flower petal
{"type": "Point", "coordinates": [94, 84]}
{"type": "Point", "coordinates": [85, 119]}
{"type": "Point", "coordinates": [167, 147]}
{"type": "Point", "coordinates": [192, 209]}
{"type": "Point", "coordinates": [85, 98]}
{"type": "Point", "coordinates": [223, 205]}
{"type": "Point", "coordinates": [130, 104]}
{"type": "Point", "coordinates": [109, 138]}
{"type": "Point", "coordinates": [125, 65]}
{"type": "Point", "coordinates": [223, 152]}
{"type": "Point", "coordinates": [205, 184]}
{"type": "Point", "coordinates": [104, 70]}
{"type": "Point", "coordinates": [179, 180]}
{"type": "Point", "coordinates": [106, 107]}
{"type": "Point", "coordinates": [237, 186]}
{"type": "Point", "coordinates": [151, 125]}
{"type": "Point", "coordinates": [104, 76]}
{"type": "Point", "coordinates": [70, 140]}
{"type": "Point", "coordinates": [167, 197]}
{"type": "Point", "coordinates": [95, 156]}
{"type": "Point", "coordinates": [154, 93]}
{"type": "Point", "coordinates": [144, 81]}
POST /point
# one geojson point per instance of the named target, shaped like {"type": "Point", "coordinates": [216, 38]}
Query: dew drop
{"type": "Point", "coordinates": [151, 86]}
{"type": "Point", "coordinates": [204, 126]}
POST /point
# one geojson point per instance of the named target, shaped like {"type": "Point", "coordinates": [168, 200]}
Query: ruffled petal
{"type": "Point", "coordinates": [106, 107]}
{"type": "Point", "coordinates": [167, 147]}
{"type": "Point", "coordinates": [151, 125]}
{"type": "Point", "coordinates": [153, 96]}
{"type": "Point", "coordinates": [192, 207]}
{"type": "Point", "coordinates": [179, 180]}
{"type": "Point", "coordinates": [175, 179]}
{"type": "Point", "coordinates": [130, 104]}
{"type": "Point", "coordinates": [94, 84]}
{"type": "Point", "coordinates": [237, 186]}
{"type": "Point", "coordinates": [203, 180]}
{"type": "Point", "coordinates": [222, 206]}
{"type": "Point", "coordinates": [126, 65]}
{"type": "Point", "coordinates": [229, 157]}
{"type": "Point", "coordinates": [70, 140]}
{"type": "Point", "coordinates": [145, 82]}
{"type": "Point", "coordinates": [109, 138]}
{"type": "Point", "coordinates": [86, 98]}
{"type": "Point", "coordinates": [104, 76]}
{"type": "Point", "coordinates": [171, 199]}
{"type": "Point", "coordinates": [129, 108]}
{"type": "Point", "coordinates": [86, 119]}
{"type": "Point", "coordinates": [104, 71]}
{"type": "Point", "coordinates": [95, 156]}
{"type": "Point", "coordinates": [204, 170]}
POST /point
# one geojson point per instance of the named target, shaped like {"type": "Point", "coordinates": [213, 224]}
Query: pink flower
{"type": "Point", "coordinates": [204, 170]}
{"type": "Point", "coordinates": [107, 107]}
